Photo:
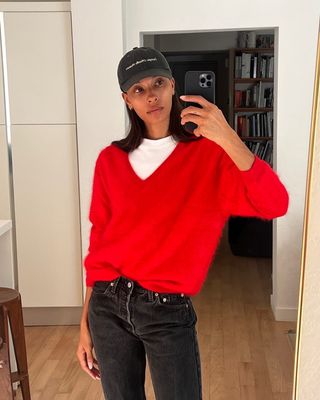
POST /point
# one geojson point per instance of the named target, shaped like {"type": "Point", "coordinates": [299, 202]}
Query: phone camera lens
{"type": "Point", "coordinates": [209, 83]}
{"type": "Point", "coordinates": [202, 80]}
{"type": "Point", "coordinates": [209, 77]}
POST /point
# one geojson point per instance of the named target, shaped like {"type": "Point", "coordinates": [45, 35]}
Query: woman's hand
{"type": "Point", "coordinates": [84, 353]}
{"type": "Point", "coordinates": [210, 119]}
{"type": "Point", "coordinates": [212, 124]}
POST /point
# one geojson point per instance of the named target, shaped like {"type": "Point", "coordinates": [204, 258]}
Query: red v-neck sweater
{"type": "Point", "coordinates": [163, 231]}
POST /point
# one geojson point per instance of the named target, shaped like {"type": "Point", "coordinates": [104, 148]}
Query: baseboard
{"type": "Point", "coordinates": [51, 315]}
{"type": "Point", "coordinates": [283, 313]}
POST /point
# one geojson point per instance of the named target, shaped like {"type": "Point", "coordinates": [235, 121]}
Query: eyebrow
{"type": "Point", "coordinates": [154, 78]}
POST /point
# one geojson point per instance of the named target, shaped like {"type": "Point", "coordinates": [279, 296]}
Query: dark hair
{"type": "Point", "coordinates": [138, 130]}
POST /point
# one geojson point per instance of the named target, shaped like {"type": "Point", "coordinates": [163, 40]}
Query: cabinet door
{"type": "Point", "coordinates": [47, 215]}
{"type": "Point", "coordinates": [4, 168]}
{"type": "Point", "coordinates": [2, 109]}
{"type": "Point", "coordinates": [40, 67]}
{"type": "Point", "coordinates": [4, 176]}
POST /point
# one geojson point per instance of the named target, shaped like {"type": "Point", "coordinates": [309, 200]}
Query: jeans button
{"type": "Point", "coordinates": [156, 294]}
{"type": "Point", "coordinates": [129, 284]}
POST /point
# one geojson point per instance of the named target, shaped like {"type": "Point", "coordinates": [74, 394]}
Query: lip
{"type": "Point", "coordinates": [155, 109]}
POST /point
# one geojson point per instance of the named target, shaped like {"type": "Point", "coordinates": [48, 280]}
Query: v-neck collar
{"type": "Point", "coordinates": [162, 166]}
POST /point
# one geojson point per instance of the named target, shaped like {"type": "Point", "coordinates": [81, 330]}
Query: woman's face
{"type": "Point", "coordinates": [154, 92]}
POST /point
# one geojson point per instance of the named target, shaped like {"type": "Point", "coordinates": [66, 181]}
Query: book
{"type": "Point", "coordinates": [245, 65]}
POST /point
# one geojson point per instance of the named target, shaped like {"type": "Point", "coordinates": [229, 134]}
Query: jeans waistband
{"type": "Point", "coordinates": [127, 283]}
{"type": "Point", "coordinates": [123, 282]}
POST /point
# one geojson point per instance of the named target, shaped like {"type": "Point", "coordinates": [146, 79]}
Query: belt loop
{"type": "Point", "coordinates": [150, 295]}
{"type": "Point", "coordinates": [114, 284]}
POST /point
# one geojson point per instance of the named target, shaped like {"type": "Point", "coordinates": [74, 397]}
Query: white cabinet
{"type": "Point", "coordinates": [40, 67]}
{"type": "Point", "coordinates": [44, 157]}
{"type": "Point", "coordinates": [47, 214]}
{"type": "Point", "coordinates": [2, 115]}
{"type": "Point", "coordinates": [4, 176]}
{"type": "Point", "coordinates": [6, 262]}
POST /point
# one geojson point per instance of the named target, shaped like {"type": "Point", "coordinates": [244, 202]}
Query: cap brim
{"type": "Point", "coordinates": [144, 74]}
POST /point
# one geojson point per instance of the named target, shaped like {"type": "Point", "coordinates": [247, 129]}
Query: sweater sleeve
{"type": "Point", "coordinates": [256, 192]}
{"type": "Point", "coordinates": [99, 216]}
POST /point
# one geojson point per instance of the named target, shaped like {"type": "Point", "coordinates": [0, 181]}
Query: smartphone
{"type": "Point", "coordinates": [202, 83]}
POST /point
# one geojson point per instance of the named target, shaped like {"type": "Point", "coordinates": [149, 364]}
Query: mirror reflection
{"type": "Point", "coordinates": [177, 291]}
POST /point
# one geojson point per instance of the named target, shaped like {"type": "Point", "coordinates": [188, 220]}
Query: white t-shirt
{"type": "Point", "coordinates": [151, 153]}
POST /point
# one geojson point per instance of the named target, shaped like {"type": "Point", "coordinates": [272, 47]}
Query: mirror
{"type": "Point", "coordinates": [243, 337]}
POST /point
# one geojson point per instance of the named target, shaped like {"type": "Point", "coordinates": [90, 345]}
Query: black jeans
{"type": "Point", "coordinates": [128, 322]}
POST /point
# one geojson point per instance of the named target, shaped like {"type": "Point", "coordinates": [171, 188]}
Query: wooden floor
{"type": "Point", "coordinates": [245, 354]}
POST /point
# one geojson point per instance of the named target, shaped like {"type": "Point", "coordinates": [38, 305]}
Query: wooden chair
{"type": "Point", "coordinates": [5, 379]}
{"type": "Point", "coordinates": [11, 312]}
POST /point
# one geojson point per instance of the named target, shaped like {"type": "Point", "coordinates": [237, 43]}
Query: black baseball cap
{"type": "Point", "coordinates": [139, 63]}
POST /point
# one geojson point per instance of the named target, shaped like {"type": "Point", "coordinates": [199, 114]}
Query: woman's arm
{"type": "Point", "coordinates": [84, 352]}
{"type": "Point", "coordinates": [240, 154]}
{"type": "Point", "coordinates": [249, 185]}
{"type": "Point", "coordinates": [84, 316]}
{"type": "Point", "coordinates": [99, 216]}
{"type": "Point", "coordinates": [252, 188]}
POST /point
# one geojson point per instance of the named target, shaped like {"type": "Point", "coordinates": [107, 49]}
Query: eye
{"type": "Point", "coordinates": [160, 80]}
{"type": "Point", "coordinates": [137, 88]}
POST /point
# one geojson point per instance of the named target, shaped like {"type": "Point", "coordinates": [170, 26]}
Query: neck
{"type": "Point", "coordinates": [158, 131]}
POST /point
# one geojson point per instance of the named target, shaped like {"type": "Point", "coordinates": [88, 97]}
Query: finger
{"type": "Point", "coordinates": [96, 373]}
{"type": "Point", "coordinates": [95, 363]}
{"type": "Point", "coordinates": [89, 356]}
{"type": "Point", "coordinates": [92, 363]}
{"type": "Point", "coordinates": [196, 99]}
{"type": "Point", "coordinates": [83, 363]}
{"type": "Point", "coordinates": [193, 118]}
{"type": "Point", "coordinates": [197, 132]}
{"type": "Point", "coordinates": [82, 357]}
{"type": "Point", "coordinates": [192, 110]}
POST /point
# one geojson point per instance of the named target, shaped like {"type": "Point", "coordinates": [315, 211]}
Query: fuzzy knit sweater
{"type": "Point", "coordinates": [163, 231]}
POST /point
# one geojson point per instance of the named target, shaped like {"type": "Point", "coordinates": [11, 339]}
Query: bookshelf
{"type": "Point", "coordinates": [251, 82]}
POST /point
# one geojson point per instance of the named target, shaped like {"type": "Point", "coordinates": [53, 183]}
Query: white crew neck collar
{"type": "Point", "coordinates": [158, 142]}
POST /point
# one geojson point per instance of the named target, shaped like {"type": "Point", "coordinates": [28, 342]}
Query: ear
{"type": "Point", "coordinates": [125, 98]}
{"type": "Point", "coordinates": [173, 83]}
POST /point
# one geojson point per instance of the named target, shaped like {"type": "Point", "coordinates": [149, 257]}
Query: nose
{"type": "Point", "coordinates": [152, 96]}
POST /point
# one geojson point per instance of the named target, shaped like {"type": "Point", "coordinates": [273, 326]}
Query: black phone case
{"type": "Point", "coordinates": [196, 82]}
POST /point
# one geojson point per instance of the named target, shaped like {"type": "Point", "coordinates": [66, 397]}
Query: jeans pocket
{"type": "Point", "coordinates": [102, 288]}
{"type": "Point", "coordinates": [172, 300]}
{"type": "Point", "coordinates": [192, 309]}
{"type": "Point", "coordinates": [173, 308]}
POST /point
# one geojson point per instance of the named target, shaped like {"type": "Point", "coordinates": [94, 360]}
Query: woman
{"type": "Point", "coordinates": [160, 199]}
